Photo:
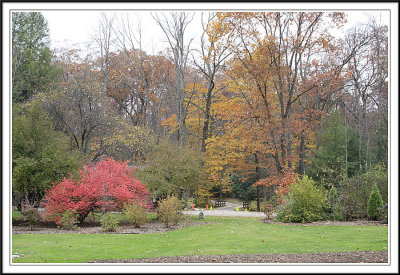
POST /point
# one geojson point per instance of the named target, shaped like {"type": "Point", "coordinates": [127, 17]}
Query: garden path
{"type": "Point", "coordinates": [228, 210]}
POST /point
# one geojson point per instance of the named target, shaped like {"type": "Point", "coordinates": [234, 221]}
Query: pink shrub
{"type": "Point", "coordinates": [106, 185]}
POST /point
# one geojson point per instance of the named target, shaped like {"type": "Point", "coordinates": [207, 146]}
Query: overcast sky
{"type": "Point", "coordinates": [68, 27]}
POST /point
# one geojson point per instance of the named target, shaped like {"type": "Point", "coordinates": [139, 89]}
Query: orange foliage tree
{"type": "Point", "coordinates": [281, 62]}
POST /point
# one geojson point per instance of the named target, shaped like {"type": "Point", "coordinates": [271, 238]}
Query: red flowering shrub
{"type": "Point", "coordinates": [107, 185]}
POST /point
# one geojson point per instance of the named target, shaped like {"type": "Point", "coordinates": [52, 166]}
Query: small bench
{"type": "Point", "coordinates": [246, 205]}
{"type": "Point", "coordinates": [220, 203]}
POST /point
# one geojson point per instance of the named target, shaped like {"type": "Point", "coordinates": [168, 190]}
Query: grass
{"type": "Point", "coordinates": [224, 235]}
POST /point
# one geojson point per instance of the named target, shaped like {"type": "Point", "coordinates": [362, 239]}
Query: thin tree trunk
{"type": "Point", "coordinates": [301, 153]}
{"type": "Point", "coordinates": [257, 179]}
{"type": "Point", "coordinates": [207, 118]}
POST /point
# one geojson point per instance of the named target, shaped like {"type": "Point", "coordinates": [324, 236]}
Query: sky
{"type": "Point", "coordinates": [82, 29]}
{"type": "Point", "coordinates": [69, 27]}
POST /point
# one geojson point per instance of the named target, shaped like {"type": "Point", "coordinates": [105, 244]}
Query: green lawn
{"type": "Point", "coordinates": [225, 235]}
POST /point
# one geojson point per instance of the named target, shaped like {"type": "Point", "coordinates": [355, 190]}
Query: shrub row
{"type": "Point", "coordinates": [308, 202]}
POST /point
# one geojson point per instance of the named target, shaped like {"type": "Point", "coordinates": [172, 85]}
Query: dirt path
{"type": "Point", "coordinates": [228, 210]}
{"type": "Point", "coordinates": [225, 212]}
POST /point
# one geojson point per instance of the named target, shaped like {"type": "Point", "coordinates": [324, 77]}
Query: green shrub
{"type": "Point", "coordinates": [31, 215]}
{"type": "Point", "coordinates": [333, 205]}
{"type": "Point", "coordinates": [169, 210]}
{"type": "Point", "coordinates": [384, 213]}
{"type": "Point", "coordinates": [253, 206]}
{"type": "Point", "coordinates": [354, 192]}
{"type": "Point", "coordinates": [109, 223]}
{"type": "Point", "coordinates": [68, 220]}
{"type": "Point", "coordinates": [136, 214]}
{"type": "Point", "coordinates": [187, 203]}
{"type": "Point", "coordinates": [91, 218]}
{"type": "Point", "coordinates": [375, 204]}
{"type": "Point", "coordinates": [16, 215]}
{"type": "Point", "coordinates": [170, 167]}
{"type": "Point", "coordinates": [304, 202]}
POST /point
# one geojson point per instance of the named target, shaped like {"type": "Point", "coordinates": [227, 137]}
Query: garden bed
{"type": "Point", "coordinates": [338, 257]}
{"type": "Point", "coordinates": [349, 223]}
{"type": "Point", "coordinates": [95, 228]}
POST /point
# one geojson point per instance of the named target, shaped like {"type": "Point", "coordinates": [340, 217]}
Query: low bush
{"type": "Point", "coordinates": [354, 192]}
{"type": "Point", "coordinates": [107, 185]}
{"type": "Point", "coordinates": [169, 210]}
{"type": "Point", "coordinates": [187, 203]}
{"type": "Point", "coordinates": [91, 218]}
{"type": "Point", "coordinates": [31, 216]}
{"type": "Point", "coordinates": [253, 206]}
{"type": "Point", "coordinates": [68, 220]}
{"type": "Point", "coordinates": [268, 209]}
{"type": "Point", "coordinates": [384, 213]}
{"type": "Point", "coordinates": [333, 209]}
{"type": "Point", "coordinates": [109, 223]}
{"type": "Point", "coordinates": [304, 202]}
{"type": "Point", "coordinates": [136, 213]}
{"type": "Point", "coordinates": [375, 204]}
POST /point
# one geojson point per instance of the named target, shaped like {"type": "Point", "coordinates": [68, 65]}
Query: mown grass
{"type": "Point", "coordinates": [223, 235]}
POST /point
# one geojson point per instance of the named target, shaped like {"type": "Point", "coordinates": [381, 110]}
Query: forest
{"type": "Point", "coordinates": [258, 103]}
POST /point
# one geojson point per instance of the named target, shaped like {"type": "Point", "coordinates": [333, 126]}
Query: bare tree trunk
{"type": "Point", "coordinates": [104, 41]}
{"type": "Point", "coordinates": [302, 153]}
{"type": "Point", "coordinates": [258, 176]}
{"type": "Point", "coordinates": [206, 118]}
{"type": "Point", "coordinates": [174, 29]}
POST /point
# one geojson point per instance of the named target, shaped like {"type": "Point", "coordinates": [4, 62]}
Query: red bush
{"type": "Point", "coordinates": [107, 185]}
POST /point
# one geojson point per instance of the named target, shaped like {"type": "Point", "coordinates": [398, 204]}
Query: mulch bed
{"type": "Point", "coordinates": [338, 257]}
{"type": "Point", "coordinates": [95, 228]}
{"type": "Point", "coordinates": [349, 223]}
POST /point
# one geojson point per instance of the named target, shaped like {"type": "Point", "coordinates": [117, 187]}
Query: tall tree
{"type": "Point", "coordinates": [368, 86]}
{"type": "Point", "coordinates": [40, 155]}
{"type": "Point", "coordinates": [213, 52]}
{"type": "Point", "coordinates": [275, 66]}
{"type": "Point", "coordinates": [174, 29]}
{"type": "Point", "coordinates": [337, 157]}
{"type": "Point", "coordinates": [76, 103]}
{"type": "Point", "coordinates": [105, 39]}
{"type": "Point", "coordinates": [31, 55]}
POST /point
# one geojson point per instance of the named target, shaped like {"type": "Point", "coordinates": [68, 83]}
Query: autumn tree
{"type": "Point", "coordinates": [136, 71]}
{"type": "Point", "coordinates": [124, 142]}
{"type": "Point", "coordinates": [76, 103]}
{"type": "Point", "coordinates": [273, 69]}
{"type": "Point", "coordinates": [212, 55]}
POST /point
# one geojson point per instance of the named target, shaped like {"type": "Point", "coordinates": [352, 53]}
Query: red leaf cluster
{"type": "Point", "coordinates": [282, 182]}
{"type": "Point", "coordinates": [107, 185]}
